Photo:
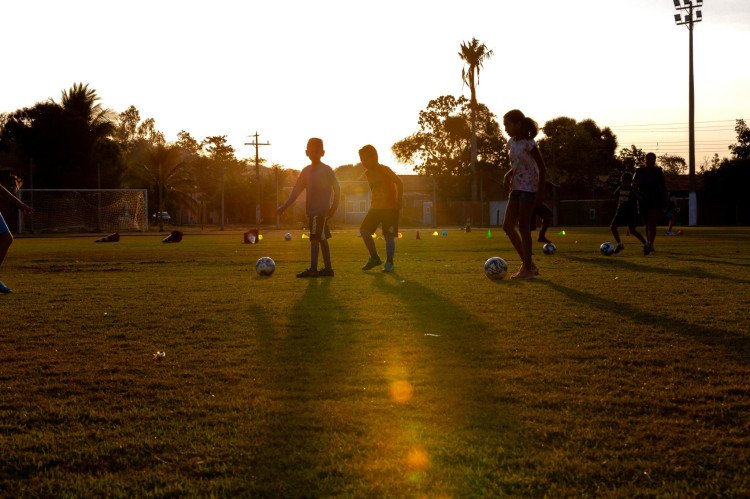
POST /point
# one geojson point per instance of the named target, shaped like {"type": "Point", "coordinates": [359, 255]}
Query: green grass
{"type": "Point", "coordinates": [623, 375]}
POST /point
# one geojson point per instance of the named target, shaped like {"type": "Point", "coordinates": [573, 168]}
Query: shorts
{"type": "Point", "coordinates": [387, 218]}
{"type": "Point", "coordinates": [522, 196]}
{"type": "Point", "coordinates": [627, 217]}
{"type": "Point", "coordinates": [3, 226]}
{"type": "Point", "coordinates": [319, 230]}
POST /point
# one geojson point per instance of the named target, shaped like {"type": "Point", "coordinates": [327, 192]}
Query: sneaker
{"type": "Point", "coordinates": [389, 267]}
{"type": "Point", "coordinates": [308, 273]}
{"type": "Point", "coordinates": [619, 247]}
{"type": "Point", "coordinates": [4, 289]}
{"type": "Point", "coordinates": [670, 233]}
{"type": "Point", "coordinates": [372, 263]}
{"type": "Point", "coordinates": [646, 249]}
{"type": "Point", "coordinates": [325, 272]}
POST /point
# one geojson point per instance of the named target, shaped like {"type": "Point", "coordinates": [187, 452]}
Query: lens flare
{"type": "Point", "coordinates": [401, 391]}
{"type": "Point", "coordinates": [417, 459]}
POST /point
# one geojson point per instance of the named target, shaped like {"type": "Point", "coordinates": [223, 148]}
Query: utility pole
{"type": "Point", "coordinates": [692, 15]}
{"type": "Point", "coordinates": [257, 173]}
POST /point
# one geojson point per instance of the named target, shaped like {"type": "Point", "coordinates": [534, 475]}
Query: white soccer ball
{"type": "Point", "coordinates": [495, 268]}
{"type": "Point", "coordinates": [607, 249]}
{"type": "Point", "coordinates": [265, 266]}
{"type": "Point", "coordinates": [288, 236]}
{"type": "Point", "coordinates": [549, 249]}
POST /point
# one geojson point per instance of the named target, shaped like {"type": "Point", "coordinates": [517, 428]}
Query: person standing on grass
{"type": "Point", "coordinates": [672, 211]}
{"type": "Point", "coordinates": [387, 193]}
{"type": "Point", "coordinates": [322, 201]}
{"type": "Point", "coordinates": [6, 238]}
{"type": "Point", "coordinates": [652, 186]}
{"type": "Point", "coordinates": [627, 211]}
{"type": "Point", "coordinates": [544, 213]}
{"type": "Point", "coordinates": [524, 180]}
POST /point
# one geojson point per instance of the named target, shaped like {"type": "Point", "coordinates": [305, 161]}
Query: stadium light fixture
{"type": "Point", "coordinates": [689, 13]}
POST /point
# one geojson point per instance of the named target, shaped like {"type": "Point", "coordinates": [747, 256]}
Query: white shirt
{"type": "Point", "coordinates": [525, 169]}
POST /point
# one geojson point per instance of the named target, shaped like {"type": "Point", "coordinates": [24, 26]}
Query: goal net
{"type": "Point", "coordinates": [84, 210]}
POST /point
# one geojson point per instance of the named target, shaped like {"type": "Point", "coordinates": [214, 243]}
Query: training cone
{"type": "Point", "coordinates": [489, 234]}
{"type": "Point", "coordinates": [418, 235]}
{"type": "Point", "coordinates": [112, 238]}
{"type": "Point", "coordinates": [251, 236]}
{"type": "Point", "coordinates": [174, 237]}
{"type": "Point", "coordinates": [435, 233]}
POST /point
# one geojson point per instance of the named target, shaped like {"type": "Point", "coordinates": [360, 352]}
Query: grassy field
{"type": "Point", "coordinates": [617, 376]}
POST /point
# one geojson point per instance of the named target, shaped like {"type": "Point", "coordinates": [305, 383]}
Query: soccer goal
{"type": "Point", "coordinates": [84, 210]}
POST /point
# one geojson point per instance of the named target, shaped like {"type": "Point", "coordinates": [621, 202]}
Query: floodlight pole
{"type": "Point", "coordinates": [257, 173]}
{"type": "Point", "coordinates": [690, 19]}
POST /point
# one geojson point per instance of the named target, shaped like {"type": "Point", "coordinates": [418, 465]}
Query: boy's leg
{"type": "Point", "coordinates": [634, 232]}
{"type": "Point", "coordinates": [314, 251]}
{"type": "Point", "coordinates": [6, 239]}
{"type": "Point", "coordinates": [368, 227]}
{"type": "Point", "coordinates": [326, 250]}
{"type": "Point", "coordinates": [615, 233]}
{"type": "Point", "coordinates": [542, 237]}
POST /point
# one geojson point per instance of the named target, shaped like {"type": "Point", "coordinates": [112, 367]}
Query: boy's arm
{"type": "Point", "coordinates": [9, 195]}
{"type": "Point", "coordinates": [399, 188]}
{"type": "Point", "coordinates": [336, 194]}
{"type": "Point", "coordinates": [299, 186]}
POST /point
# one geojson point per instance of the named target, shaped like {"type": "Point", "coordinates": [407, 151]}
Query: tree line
{"type": "Point", "coordinates": [77, 143]}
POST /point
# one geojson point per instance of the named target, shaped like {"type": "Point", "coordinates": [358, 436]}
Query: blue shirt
{"type": "Point", "coordinates": [322, 190]}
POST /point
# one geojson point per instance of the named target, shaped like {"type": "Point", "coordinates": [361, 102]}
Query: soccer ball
{"type": "Point", "coordinates": [265, 266]}
{"type": "Point", "coordinates": [288, 236]}
{"type": "Point", "coordinates": [607, 249]}
{"type": "Point", "coordinates": [549, 249]}
{"type": "Point", "coordinates": [495, 268]}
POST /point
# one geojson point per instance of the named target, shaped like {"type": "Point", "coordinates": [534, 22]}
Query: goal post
{"type": "Point", "coordinates": [84, 210]}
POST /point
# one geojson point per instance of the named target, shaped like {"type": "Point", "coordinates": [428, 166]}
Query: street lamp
{"type": "Point", "coordinates": [688, 14]}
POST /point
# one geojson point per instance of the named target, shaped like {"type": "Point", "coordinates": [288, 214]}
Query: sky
{"type": "Point", "coordinates": [359, 72]}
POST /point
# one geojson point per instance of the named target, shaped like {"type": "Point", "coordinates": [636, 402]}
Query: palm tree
{"type": "Point", "coordinates": [473, 54]}
{"type": "Point", "coordinates": [165, 168]}
{"type": "Point", "coordinates": [89, 124]}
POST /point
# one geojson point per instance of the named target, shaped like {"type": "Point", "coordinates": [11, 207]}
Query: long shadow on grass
{"type": "Point", "coordinates": [308, 383]}
{"type": "Point", "coordinates": [450, 344]}
{"type": "Point", "coordinates": [705, 261]}
{"type": "Point", "coordinates": [736, 345]}
{"type": "Point", "coordinates": [695, 273]}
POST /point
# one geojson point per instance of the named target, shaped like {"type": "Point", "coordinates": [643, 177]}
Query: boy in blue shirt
{"type": "Point", "coordinates": [322, 201]}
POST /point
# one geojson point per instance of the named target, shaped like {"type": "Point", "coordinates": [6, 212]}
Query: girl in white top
{"type": "Point", "coordinates": [526, 175]}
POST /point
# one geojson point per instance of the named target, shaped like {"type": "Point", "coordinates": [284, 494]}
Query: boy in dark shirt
{"type": "Point", "coordinates": [627, 211]}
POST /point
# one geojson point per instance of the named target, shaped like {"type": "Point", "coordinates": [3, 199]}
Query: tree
{"type": "Point", "coordinates": [441, 147]}
{"type": "Point", "coordinates": [741, 150]}
{"type": "Point", "coordinates": [672, 165]}
{"type": "Point", "coordinates": [727, 184]}
{"type": "Point", "coordinates": [90, 129]}
{"type": "Point", "coordinates": [577, 154]}
{"type": "Point", "coordinates": [473, 54]}
{"type": "Point", "coordinates": [163, 168]}
{"type": "Point", "coordinates": [70, 144]}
